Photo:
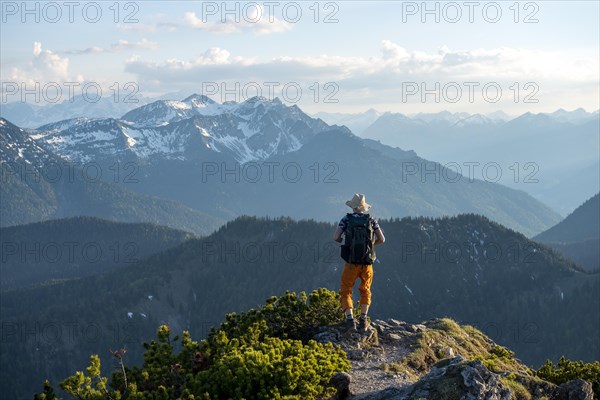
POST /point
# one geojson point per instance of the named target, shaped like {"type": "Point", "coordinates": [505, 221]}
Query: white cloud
{"type": "Point", "coordinates": [37, 48]}
{"type": "Point", "coordinates": [391, 50]}
{"type": "Point", "coordinates": [394, 62]}
{"type": "Point", "coordinates": [141, 27]}
{"type": "Point", "coordinates": [118, 47]}
{"type": "Point", "coordinates": [379, 79]}
{"type": "Point", "coordinates": [214, 56]}
{"type": "Point", "coordinates": [45, 66]}
{"type": "Point", "coordinates": [50, 62]}
{"type": "Point", "coordinates": [255, 22]}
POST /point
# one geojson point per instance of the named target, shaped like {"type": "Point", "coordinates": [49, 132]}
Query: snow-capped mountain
{"type": "Point", "coordinates": [578, 116]}
{"type": "Point", "coordinates": [362, 123]}
{"type": "Point", "coordinates": [37, 185]}
{"type": "Point", "coordinates": [196, 126]}
{"type": "Point", "coordinates": [170, 160]}
{"type": "Point", "coordinates": [423, 122]}
{"type": "Point", "coordinates": [33, 115]}
{"type": "Point", "coordinates": [448, 119]}
{"type": "Point", "coordinates": [499, 116]}
{"type": "Point", "coordinates": [17, 147]}
{"type": "Point", "coordinates": [444, 117]}
{"type": "Point", "coordinates": [162, 112]}
{"type": "Point", "coordinates": [473, 120]}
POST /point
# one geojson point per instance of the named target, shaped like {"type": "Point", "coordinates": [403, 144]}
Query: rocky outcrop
{"type": "Point", "coordinates": [395, 360]}
{"type": "Point", "coordinates": [456, 378]}
{"type": "Point", "coordinates": [574, 390]}
{"type": "Point", "coordinates": [460, 379]}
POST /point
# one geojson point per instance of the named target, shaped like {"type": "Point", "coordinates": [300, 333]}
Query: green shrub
{"type": "Point", "coordinates": [293, 316]}
{"type": "Point", "coordinates": [567, 370]}
{"type": "Point", "coordinates": [502, 352]}
{"type": "Point", "coordinates": [47, 393]}
{"type": "Point", "coordinates": [261, 354]}
{"type": "Point", "coordinates": [271, 369]}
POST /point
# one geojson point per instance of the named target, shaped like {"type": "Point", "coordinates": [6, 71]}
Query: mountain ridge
{"type": "Point", "coordinates": [578, 235]}
{"type": "Point", "coordinates": [76, 247]}
{"type": "Point", "coordinates": [176, 152]}
{"type": "Point", "coordinates": [37, 185]}
{"type": "Point", "coordinates": [581, 224]}
{"type": "Point", "coordinates": [248, 131]}
{"type": "Point", "coordinates": [524, 148]}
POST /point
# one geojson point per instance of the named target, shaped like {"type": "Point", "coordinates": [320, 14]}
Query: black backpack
{"type": "Point", "coordinates": [358, 243]}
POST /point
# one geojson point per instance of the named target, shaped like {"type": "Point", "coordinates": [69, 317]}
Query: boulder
{"type": "Point", "coordinates": [574, 390]}
{"type": "Point", "coordinates": [341, 382]}
{"type": "Point", "coordinates": [482, 384]}
{"type": "Point", "coordinates": [458, 378]}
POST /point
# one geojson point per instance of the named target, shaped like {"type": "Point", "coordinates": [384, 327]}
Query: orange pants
{"type": "Point", "coordinates": [349, 276]}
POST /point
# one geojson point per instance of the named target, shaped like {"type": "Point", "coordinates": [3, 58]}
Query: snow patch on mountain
{"type": "Point", "coordinates": [239, 147]}
{"type": "Point", "coordinates": [172, 129]}
{"type": "Point", "coordinates": [246, 129]}
{"type": "Point", "coordinates": [475, 119]}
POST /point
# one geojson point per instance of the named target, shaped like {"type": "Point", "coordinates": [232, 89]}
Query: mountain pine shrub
{"type": "Point", "coordinates": [566, 370]}
{"type": "Point", "coordinates": [259, 354]}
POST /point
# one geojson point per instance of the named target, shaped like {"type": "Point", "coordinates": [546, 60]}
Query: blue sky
{"type": "Point", "coordinates": [378, 54]}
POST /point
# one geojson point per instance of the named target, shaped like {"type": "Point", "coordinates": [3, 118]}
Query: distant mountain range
{"type": "Point", "coordinates": [446, 137]}
{"type": "Point", "coordinates": [521, 293]}
{"type": "Point", "coordinates": [184, 130]}
{"type": "Point", "coordinates": [31, 115]}
{"type": "Point", "coordinates": [359, 122]}
{"type": "Point", "coordinates": [262, 157]}
{"type": "Point", "coordinates": [37, 185]}
{"type": "Point", "coordinates": [542, 154]}
{"type": "Point", "coordinates": [578, 235]}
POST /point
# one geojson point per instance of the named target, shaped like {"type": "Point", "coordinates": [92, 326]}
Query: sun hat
{"type": "Point", "coordinates": [358, 202]}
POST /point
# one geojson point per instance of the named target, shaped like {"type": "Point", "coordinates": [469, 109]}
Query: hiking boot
{"type": "Point", "coordinates": [363, 324]}
{"type": "Point", "coordinates": [350, 324]}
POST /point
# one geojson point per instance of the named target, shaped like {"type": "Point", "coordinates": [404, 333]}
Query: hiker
{"type": "Point", "coordinates": [358, 252]}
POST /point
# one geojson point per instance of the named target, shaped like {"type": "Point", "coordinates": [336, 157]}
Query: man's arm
{"type": "Point", "coordinates": [379, 237]}
{"type": "Point", "coordinates": [337, 236]}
